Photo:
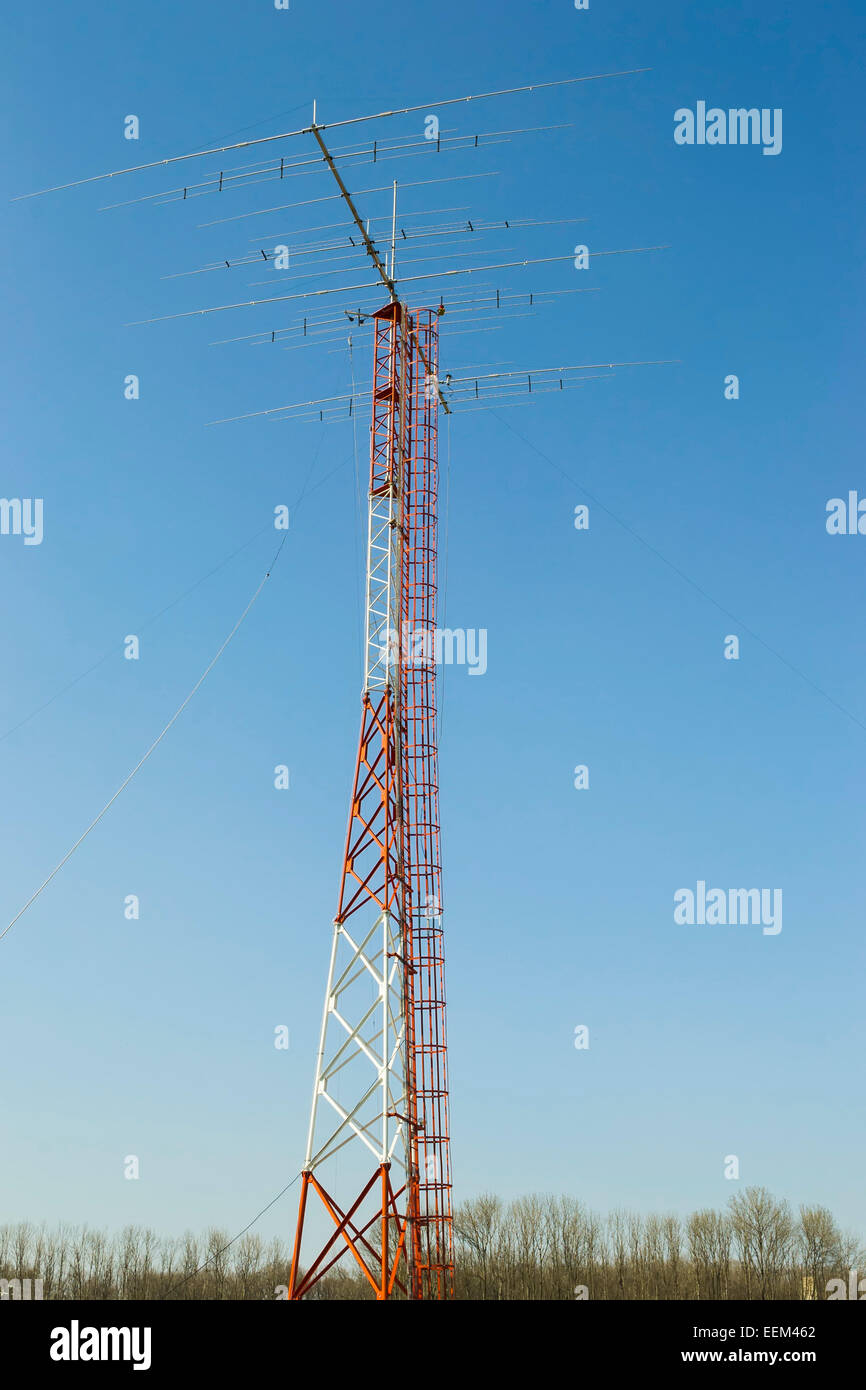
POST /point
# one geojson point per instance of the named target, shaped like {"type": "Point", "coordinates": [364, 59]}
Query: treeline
{"type": "Point", "coordinates": [554, 1248]}
{"type": "Point", "coordinates": [534, 1248]}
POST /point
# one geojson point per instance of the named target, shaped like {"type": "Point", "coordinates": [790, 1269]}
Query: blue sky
{"type": "Point", "coordinates": [605, 647]}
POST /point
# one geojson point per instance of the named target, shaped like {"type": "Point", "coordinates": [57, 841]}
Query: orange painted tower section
{"type": "Point", "coordinates": [379, 1121]}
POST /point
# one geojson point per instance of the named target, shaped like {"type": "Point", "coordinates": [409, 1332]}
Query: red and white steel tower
{"type": "Point", "coordinates": [378, 1158]}
{"type": "Point", "coordinates": [380, 1097]}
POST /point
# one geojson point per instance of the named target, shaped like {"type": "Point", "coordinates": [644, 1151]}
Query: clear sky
{"type": "Point", "coordinates": [605, 647]}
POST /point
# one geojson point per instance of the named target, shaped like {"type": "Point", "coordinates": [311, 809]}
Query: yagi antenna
{"type": "Point", "coordinates": [332, 125]}
{"type": "Point", "coordinates": [411, 279]}
{"type": "Point", "coordinates": [245, 176]}
{"type": "Point", "coordinates": [455, 384]}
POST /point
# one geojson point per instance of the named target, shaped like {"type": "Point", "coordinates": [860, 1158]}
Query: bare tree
{"type": "Point", "coordinates": [709, 1236]}
{"type": "Point", "coordinates": [764, 1230]}
{"type": "Point", "coordinates": [618, 1228]}
{"type": "Point", "coordinates": [672, 1234]}
{"type": "Point", "coordinates": [477, 1229]}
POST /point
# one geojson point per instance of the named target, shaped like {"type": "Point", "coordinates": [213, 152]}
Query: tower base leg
{"type": "Point", "coordinates": [379, 1256]}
